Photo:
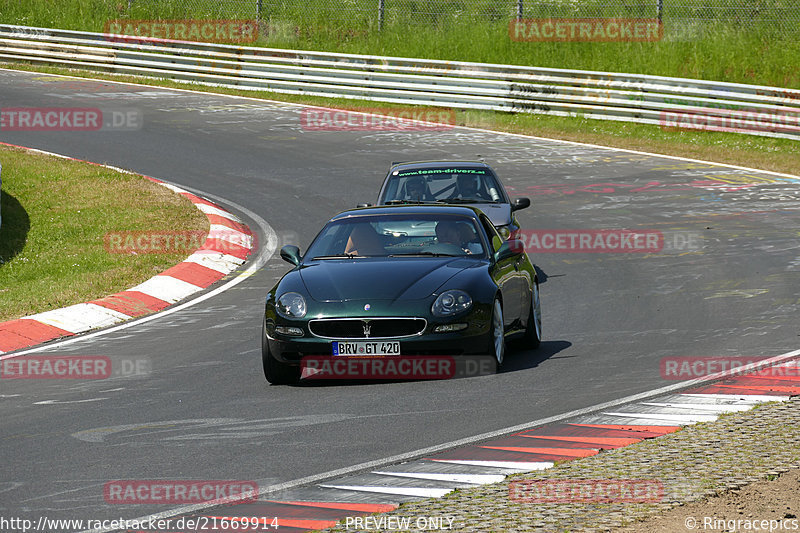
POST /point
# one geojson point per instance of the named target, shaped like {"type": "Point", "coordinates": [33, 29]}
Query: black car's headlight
{"type": "Point", "coordinates": [451, 302]}
{"type": "Point", "coordinates": [291, 305]}
{"type": "Point", "coordinates": [504, 232]}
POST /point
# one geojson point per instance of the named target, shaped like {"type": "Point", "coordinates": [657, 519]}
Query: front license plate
{"type": "Point", "coordinates": [366, 348]}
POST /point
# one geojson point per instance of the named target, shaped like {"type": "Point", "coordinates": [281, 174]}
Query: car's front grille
{"type": "Point", "coordinates": [366, 328]}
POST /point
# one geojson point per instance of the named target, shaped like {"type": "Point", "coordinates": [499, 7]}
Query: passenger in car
{"type": "Point", "coordinates": [364, 240]}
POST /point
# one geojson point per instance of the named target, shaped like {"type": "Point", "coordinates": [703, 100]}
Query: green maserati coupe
{"type": "Point", "coordinates": [403, 280]}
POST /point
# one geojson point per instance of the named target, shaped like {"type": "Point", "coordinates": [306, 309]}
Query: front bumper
{"type": "Point", "coordinates": [474, 340]}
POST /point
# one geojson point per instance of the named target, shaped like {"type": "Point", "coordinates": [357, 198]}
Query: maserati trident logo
{"type": "Point", "coordinates": [367, 328]}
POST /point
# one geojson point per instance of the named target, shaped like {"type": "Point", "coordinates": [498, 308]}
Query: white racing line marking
{"type": "Point", "coordinates": [261, 258]}
{"type": "Point", "coordinates": [378, 463]}
{"type": "Point", "coordinates": [64, 402]}
{"type": "Point", "coordinates": [292, 104]}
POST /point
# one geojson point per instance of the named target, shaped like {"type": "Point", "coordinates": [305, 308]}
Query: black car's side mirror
{"type": "Point", "coordinates": [508, 249]}
{"type": "Point", "coordinates": [291, 254]}
{"type": "Point", "coordinates": [520, 203]}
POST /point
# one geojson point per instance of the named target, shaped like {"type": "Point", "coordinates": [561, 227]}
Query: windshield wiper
{"type": "Point", "coordinates": [338, 256]}
{"type": "Point", "coordinates": [397, 202]}
{"type": "Point", "coordinates": [429, 254]}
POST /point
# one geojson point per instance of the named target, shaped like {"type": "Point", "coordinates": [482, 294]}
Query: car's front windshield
{"type": "Point", "coordinates": [446, 185]}
{"type": "Point", "coordinates": [427, 235]}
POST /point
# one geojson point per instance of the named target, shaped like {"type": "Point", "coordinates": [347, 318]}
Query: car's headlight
{"type": "Point", "coordinates": [451, 302]}
{"type": "Point", "coordinates": [291, 305]}
{"type": "Point", "coordinates": [504, 232]}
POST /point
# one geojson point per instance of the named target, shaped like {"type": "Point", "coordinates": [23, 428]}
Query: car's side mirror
{"type": "Point", "coordinates": [363, 205]}
{"type": "Point", "coordinates": [508, 249]}
{"type": "Point", "coordinates": [520, 203]}
{"type": "Point", "coordinates": [496, 243]}
{"type": "Point", "coordinates": [291, 254]}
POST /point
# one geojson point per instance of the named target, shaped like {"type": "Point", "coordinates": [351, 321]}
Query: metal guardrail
{"type": "Point", "coordinates": [669, 102]}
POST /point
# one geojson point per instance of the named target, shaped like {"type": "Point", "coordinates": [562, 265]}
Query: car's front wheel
{"type": "Point", "coordinates": [275, 371]}
{"type": "Point", "coordinates": [497, 337]}
{"type": "Point", "coordinates": [533, 331]}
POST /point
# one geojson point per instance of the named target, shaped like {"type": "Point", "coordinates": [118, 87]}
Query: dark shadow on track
{"type": "Point", "coordinates": [15, 227]}
{"type": "Point", "coordinates": [520, 358]}
{"type": "Point", "coordinates": [540, 274]}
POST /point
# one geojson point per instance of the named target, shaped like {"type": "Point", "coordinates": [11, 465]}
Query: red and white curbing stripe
{"type": "Point", "coordinates": [227, 246]}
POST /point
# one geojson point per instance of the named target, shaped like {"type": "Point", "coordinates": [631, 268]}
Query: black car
{"type": "Point", "coordinates": [400, 280]}
{"type": "Point", "coordinates": [453, 182]}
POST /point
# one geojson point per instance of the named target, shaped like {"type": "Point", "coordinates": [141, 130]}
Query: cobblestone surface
{"type": "Point", "coordinates": [695, 462]}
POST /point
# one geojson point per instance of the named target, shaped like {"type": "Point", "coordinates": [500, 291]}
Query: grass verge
{"type": "Point", "coordinates": [777, 155]}
{"type": "Point", "coordinates": [56, 213]}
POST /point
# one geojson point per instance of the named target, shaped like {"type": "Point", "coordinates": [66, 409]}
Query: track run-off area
{"type": "Point", "coordinates": [725, 283]}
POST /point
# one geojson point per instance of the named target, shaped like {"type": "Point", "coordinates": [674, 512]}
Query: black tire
{"type": "Point", "coordinates": [533, 330]}
{"type": "Point", "coordinates": [275, 371]}
{"type": "Point", "coordinates": [497, 338]}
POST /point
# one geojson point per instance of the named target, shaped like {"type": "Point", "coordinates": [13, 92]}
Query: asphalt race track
{"type": "Point", "coordinates": [204, 410]}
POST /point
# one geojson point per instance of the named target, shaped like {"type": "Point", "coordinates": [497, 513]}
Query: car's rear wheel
{"type": "Point", "coordinates": [497, 337]}
{"type": "Point", "coordinates": [533, 330]}
{"type": "Point", "coordinates": [275, 371]}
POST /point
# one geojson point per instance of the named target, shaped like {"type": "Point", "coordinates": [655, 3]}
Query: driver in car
{"type": "Point", "coordinates": [456, 234]}
{"type": "Point", "coordinates": [468, 188]}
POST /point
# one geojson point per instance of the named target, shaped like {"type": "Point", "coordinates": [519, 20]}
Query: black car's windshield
{"type": "Point", "coordinates": [397, 236]}
{"type": "Point", "coordinates": [446, 185]}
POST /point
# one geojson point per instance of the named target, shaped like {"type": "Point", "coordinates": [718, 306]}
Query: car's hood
{"type": "Point", "coordinates": [499, 214]}
{"type": "Point", "coordinates": [380, 278]}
